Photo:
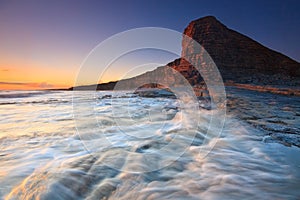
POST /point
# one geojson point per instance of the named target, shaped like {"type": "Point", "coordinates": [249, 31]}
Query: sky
{"type": "Point", "coordinates": [44, 42]}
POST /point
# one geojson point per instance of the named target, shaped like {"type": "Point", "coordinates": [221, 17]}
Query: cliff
{"type": "Point", "coordinates": [239, 59]}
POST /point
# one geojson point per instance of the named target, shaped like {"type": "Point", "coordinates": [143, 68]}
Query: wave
{"type": "Point", "coordinates": [21, 94]}
{"type": "Point", "coordinates": [156, 153]}
{"type": "Point", "coordinates": [238, 167]}
{"type": "Point", "coordinates": [49, 101]}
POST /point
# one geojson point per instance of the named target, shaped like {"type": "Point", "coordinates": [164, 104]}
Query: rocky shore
{"type": "Point", "coordinates": [276, 116]}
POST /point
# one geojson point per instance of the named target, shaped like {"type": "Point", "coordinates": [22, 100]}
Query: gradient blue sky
{"type": "Point", "coordinates": [45, 41]}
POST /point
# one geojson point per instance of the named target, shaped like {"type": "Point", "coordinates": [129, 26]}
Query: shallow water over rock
{"type": "Point", "coordinates": [46, 154]}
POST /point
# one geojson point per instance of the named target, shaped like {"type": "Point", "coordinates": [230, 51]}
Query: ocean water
{"type": "Point", "coordinates": [115, 145]}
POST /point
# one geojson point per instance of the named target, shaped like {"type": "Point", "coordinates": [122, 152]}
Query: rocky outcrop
{"type": "Point", "coordinates": [102, 86]}
{"type": "Point", "coordinates": [276, 117]}
{"type": "Point", "coordinates": [238, 58]}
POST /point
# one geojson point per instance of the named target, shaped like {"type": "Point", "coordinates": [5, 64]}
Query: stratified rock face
{"type": "Point", "coordinates": [238, 57]}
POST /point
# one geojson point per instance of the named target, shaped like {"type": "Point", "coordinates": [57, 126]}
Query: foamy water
{"type": "Point", "coordinates": [155, 153]}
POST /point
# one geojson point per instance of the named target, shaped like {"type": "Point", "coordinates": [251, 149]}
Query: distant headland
{"type": "Point", "coordinates": [241, 61]}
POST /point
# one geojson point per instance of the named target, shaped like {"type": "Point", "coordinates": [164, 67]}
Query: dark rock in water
{"type": "Point", "coordinates": [205, 102]}
{"type": "Point", "coordinates": [108, 96]}
{"type": "Point", "coordinates": [287, 139]}
{"type": "Point", "coordinates": [143, 147]}
{"type": "Point", "coordinates": [152, 93]}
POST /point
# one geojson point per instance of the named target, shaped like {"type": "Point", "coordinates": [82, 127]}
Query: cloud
{"type": "Point", "coordinates": [32, 85]}
{"type": "Point", "coordinates": [12, 83]}
{"type": "Point", "coordinates": [5, 70]}
{"type": "Point", "coordinates": [45, 85]}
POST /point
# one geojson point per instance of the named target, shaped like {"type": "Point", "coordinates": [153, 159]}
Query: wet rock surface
{"type": "Point", "coordinates": [152, 93]}
{"type": "Point", "coordinates": [277, 116]}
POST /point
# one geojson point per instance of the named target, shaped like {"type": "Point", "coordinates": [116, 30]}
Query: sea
{"type": "Point", "coordinates": [119, 145]}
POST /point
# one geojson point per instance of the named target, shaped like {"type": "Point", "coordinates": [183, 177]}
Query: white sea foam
{"type": "Point", "coordinates": [157, 156]}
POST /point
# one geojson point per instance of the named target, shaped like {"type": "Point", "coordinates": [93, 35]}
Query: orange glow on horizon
{"type": "Point", "coordinates": [32, 77]}
{"type": "Point", "coordinates": [38, 76]}
{"type": "Point", "coordinates": [31, 86]}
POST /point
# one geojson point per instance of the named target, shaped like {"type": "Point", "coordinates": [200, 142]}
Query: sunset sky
{"type": "Point", "coordinates": [44, 42]}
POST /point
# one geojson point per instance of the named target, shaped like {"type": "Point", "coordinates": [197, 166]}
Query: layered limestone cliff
{"type": "Point", "coordinates": [239, 59]}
